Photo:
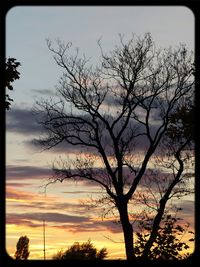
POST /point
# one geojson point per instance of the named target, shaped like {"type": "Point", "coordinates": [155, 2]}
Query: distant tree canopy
{"type": "Point", "coordinates": [84, 251]}
{"type": "Point", "coordinates": [11, 74]}
{"type": "Point", "coordinates": [22, 252]}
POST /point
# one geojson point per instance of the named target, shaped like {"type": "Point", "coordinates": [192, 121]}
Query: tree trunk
{"type": "Point", "coordinates": [154, 232]}
{"type": "Point", "coordinates": [127, 230]}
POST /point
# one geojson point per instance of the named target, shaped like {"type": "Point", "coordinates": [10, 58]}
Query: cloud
{"type": "Point", "coordinates": [19, 195]}
{"type": "Point", "coordinates": [94, 226]}
{"type": "Point", "coordinates": [46, 92]}
{"type": "Point", "coordinates": [20, 185]}
{"type": "Point", "coordinates": [188, 211]}
{"type": "Point", "coordinates": [48, 216]}
{"type": "Point", "coordinates": [22, 222]}
{"type": "Point", "coordinates": [60, 148]}
{"type": "Point", "coordinates": [53, 205]}
{"type": "Point", "coordinates": [81, 192]}
{"type": "Point", "coordinates": [187, 207]}
{"type": "Point", "coordinates": [20, 175]}
{"type": "Point", "coordinates": [35, 201]}
{"type": "Point", "coordinates": [14, 194]}
{"type": "Point", "coordinates": [77, 217]}
{"type": "Point", "coordinates": [67, 222]}
{"type": "Point", "coordinates": [22, 121]}
{"type": "Point", "coordinates": [14, 172]}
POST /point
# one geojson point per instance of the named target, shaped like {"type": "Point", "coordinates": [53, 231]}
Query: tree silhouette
{"type": "Point", "coordinates": [22, 252]}
{"type": "Point", "coordinates": [11, 74]}
{"type": "Point", "coordinates": [84, 251]}
{"type": "Point", "coordinates": [115, 111]}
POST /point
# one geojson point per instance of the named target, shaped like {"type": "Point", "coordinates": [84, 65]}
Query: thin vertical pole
{"type": "Point", "coordinates": [44, 237]}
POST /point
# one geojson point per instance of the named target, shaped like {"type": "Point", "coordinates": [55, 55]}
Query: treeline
{"type": "Point", "coordinates": [168, 244]}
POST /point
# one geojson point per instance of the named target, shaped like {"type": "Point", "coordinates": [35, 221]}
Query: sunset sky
{"type": "Point", "coordinates": [64, 206]}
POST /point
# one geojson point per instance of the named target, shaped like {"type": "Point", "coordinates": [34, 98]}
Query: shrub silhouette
{"type": "Point", "coordinates": [84, 251]}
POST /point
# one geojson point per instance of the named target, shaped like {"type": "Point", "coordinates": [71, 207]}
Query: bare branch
{"type": "Point", "coordinates": [123, 112]}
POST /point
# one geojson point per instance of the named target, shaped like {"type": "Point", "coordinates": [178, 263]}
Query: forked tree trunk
{"type": "Point", "coordinates": [127, 230]}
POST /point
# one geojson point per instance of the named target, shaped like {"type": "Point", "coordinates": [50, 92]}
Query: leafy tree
{"type": "Point", "coordinates": [22, 252]}
{"type": "Point", "coordinates": [84, 251]}
{"type": "Point", "coordinates": [114, 111]}
{"type": "Point", "coordinates": [11, 74]}
{"type": "Point", "coordinates": [167, 244]}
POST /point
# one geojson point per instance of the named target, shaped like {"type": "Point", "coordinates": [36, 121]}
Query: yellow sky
{"type": "Point", "coordinates": [60, 235]}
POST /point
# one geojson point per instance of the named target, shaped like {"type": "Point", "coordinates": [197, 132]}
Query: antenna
{"type": "Point", "coordinates": [44, 238]}
{"type": "Point", "coordinates": [44, 233]}
{"type": "Point", "coordinates": [43, 226]}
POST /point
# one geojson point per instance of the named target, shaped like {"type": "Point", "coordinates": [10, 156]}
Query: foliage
{"type": "Point", "coordinates": [22, 252]}
{"type": "Point", "coordinates": [11, 74]}
{"type": "Point", "coordinates": [168, 244]}
{"type": "Point", "coordinates": [181, 123]}
{"type": "Point", "coordinates": [84, 251]}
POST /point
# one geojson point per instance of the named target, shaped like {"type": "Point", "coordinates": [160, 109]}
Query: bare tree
{"type": "Point", "coordinates": [115, 111]}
